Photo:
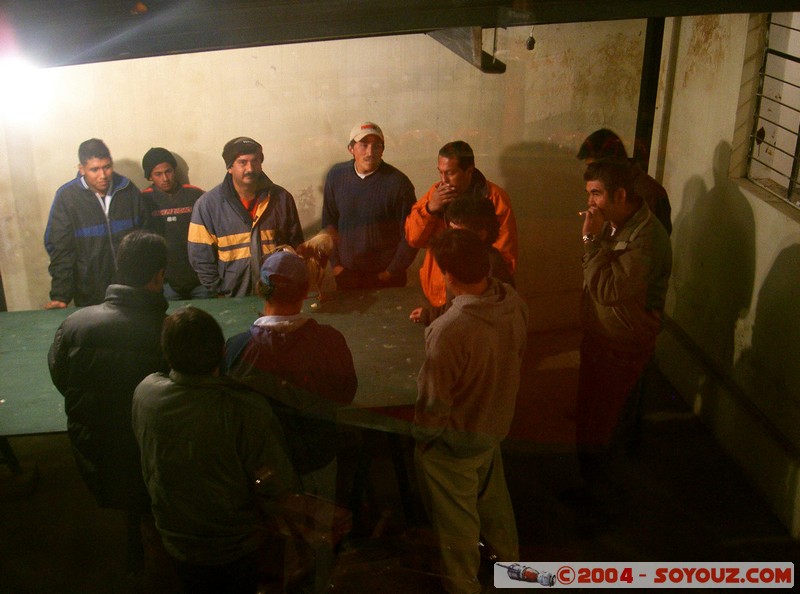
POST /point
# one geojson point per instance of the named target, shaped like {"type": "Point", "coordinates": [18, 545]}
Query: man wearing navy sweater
{"type": "Point", "coordinates": [365, 205]}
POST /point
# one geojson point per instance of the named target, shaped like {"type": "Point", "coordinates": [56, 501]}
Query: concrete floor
{"type": "Point", "coordinates": [688, 502]}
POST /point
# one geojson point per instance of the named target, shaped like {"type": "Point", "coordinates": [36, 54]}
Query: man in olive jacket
{"type": "Point", "coordinates": [627, 262]}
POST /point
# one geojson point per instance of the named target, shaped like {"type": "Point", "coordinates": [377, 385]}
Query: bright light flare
{"type": "Point", "coordinates": [23, 91]}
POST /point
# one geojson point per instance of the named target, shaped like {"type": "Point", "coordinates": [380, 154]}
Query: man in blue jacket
{"type": "Point", "coordinates": [88, 219]}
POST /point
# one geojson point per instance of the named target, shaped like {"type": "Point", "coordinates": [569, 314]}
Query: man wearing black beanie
{"type": "Point", "coordinates": [172, 213]}
{"type": "Point", "coordinates": [237, 223]}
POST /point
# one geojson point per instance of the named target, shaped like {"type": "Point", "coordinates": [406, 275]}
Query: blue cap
{"type": "Point", "coordinates": [286, 264]}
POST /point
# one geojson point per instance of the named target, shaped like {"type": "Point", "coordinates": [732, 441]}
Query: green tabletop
{"type": "Point", "coordinates": [387, 348]}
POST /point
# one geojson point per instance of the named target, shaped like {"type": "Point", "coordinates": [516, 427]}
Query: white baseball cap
{"type": "Point", "coordinates": [364, 129]}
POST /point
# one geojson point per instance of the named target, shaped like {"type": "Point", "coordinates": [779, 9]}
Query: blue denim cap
{"type": "Point", "coordinates": [286, 264]}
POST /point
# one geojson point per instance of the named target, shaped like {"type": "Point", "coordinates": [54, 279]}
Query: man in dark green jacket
{"type": "Point", "coordinates": [213, 458]}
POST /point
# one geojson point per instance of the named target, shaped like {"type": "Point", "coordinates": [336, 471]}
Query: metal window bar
{"type": "Point", "coordinates": [792, 177]}
{"type": "Point", "coordinates": [791, 58]}
{"type": "Point", "coordinates": [779, 195]}
{"type": "Point", "coordinates": [781, 103]}
{"type": "Point", "coordinates": [795, 169]}
{"type": "Point", "coordinates": [776, 124]}
{"type": "Point", "coordinates": [771, 168]}
{"type": "Point", "coordinates": [781, 25]}
{"type": "Point", "coordinates": [770, 189]}
{"type": "Point", "coordinates": [781, 80]}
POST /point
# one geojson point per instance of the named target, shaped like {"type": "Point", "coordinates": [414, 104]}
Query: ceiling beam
{"type": "Point", "coordinates": [61, 32]}
{"type": "Point", "coordinates": [467, 42]}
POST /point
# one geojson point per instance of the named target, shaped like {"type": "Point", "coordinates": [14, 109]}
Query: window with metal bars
{"type": "Point", "coordinates": [774, 159]}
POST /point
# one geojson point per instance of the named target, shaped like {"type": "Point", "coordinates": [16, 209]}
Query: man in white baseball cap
{"type": "Point", "coordinates": [365, 205]}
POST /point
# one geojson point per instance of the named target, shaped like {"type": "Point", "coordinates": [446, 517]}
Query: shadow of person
{"type": "Point", "coordinates": [182, 170]}
{"type": "Point", "coordinates": [769, 375]}
{"type": "Point", "coordinates": [768, 371]}
{"type": "Point", "coordinates": [132, 170]}
{"type": "Point", "coordinates": [714, 261]}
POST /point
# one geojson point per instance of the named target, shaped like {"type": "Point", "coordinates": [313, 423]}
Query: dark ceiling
{"type": "Point", "coordinates": [61, 32]}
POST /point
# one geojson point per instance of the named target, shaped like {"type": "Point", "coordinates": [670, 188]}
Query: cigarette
{"type": "Point", "coordinates": [582, 213]}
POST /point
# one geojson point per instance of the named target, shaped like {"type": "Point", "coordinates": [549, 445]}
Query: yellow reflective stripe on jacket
{"type": "Point", "coordinates": [233, 240]}
{"type": "Point", "coordinates": [230, 255]}
{"type": "Point", "coordinates": [199, 234]}
{"type": "Point", "coordinates": [234, 247]}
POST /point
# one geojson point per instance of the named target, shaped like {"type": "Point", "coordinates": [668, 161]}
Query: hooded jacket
{"type": "Point", "coordinates": [227, 244]}
{"type": "Point", "coordinates": [468, 383]}
{"type": "Point", "coordinates": [306, 370]}
{"type": "Point", "coordinates": [422, 225]}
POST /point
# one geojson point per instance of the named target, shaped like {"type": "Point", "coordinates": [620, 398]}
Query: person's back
{"type": "Point", "coordinates": [98, 356]}
{"type": "Point", "coordinates": [206, 442]}
{"type": "Point", "coordinates": [200, 435]}
{"type": "Point", "coordinates": [306, 372]}
{"type": "Point", "coordinates": [467, 391]}
{"type": "Point", "coordinates": [304, 368]}
{"type": "Point", "coordinates": [484, 337]}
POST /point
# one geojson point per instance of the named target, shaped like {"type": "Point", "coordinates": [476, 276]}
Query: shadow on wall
{"type": "Point", "coordinates": [547, 190]}
{"type": "Point", "coordinates": [130, 169]}
{"type": "Point", "coordinates": [713, 261]}
{"type": "Point", "coordinates": [769, 370]}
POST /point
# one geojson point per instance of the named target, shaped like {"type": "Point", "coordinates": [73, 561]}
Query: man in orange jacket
{"type": "Point", "coordinates": [458, 176]}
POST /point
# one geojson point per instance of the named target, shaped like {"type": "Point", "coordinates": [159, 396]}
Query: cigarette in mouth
{"type": "Point", "coordinates": [582, 213]}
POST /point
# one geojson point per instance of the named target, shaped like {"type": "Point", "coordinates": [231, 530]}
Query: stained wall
{"type": "Point", "coordinates": [730, 346]}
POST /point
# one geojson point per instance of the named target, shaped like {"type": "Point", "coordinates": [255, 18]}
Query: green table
{"type": "Point", "coordinates": [387, 350]}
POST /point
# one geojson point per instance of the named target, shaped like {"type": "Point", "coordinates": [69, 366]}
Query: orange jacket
{"type": "Point", "coordinates": [421, 226]}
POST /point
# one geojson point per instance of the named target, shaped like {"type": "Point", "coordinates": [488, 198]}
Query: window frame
{"type": "Point", "coordinates": [790, 193]}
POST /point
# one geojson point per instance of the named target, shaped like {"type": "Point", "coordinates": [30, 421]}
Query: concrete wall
{"type": "Point", "coordinates": [732, 348]}
{"type": "Point", "coordinates": [300, 102]}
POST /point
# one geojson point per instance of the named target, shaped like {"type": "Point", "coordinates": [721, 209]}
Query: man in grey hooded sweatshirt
{"type": "Point", "coordinates": [467, 391]}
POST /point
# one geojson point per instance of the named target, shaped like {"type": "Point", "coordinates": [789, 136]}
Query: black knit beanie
{"type": "Point", "coordinates": [155, 156]}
